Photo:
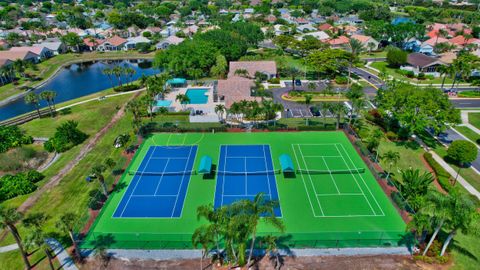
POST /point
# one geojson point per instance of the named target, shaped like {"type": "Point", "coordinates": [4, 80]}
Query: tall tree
{"type": "Point", "coordinates": [183, 100]}
{"type": "Point", "coordinates": [391, 158]}
{"type": "Point", "coordinates": [261, 208]}
{"type": "Point", "coordinates": [37, 237]}
{"type": "Point", "coordinates": [356, 48]}
{"type": "Point", "coordinates": [8, 218]}
{"type": "Point", "coordinates": [67, 223]}
{"type": "Point", "coordinates": [462, 152]}
{"type": "Point", "coordinates": [308, 101]}
{"type": "Point", "coordinates": [437, 208]}
{"type": "Point", "coordinates": [33, 99]}
{"type": "Point", "coordinates": [220, 111]}
{"type": "Point", "coordinates": [203, 236]}
{"type": "Point", "coordinates": [98, 171]}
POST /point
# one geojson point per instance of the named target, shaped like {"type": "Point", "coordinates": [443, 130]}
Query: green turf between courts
{"type": "Point", "coordinates": [319, 210]}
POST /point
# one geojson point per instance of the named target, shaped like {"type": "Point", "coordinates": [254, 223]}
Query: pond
{"type": "Point", "coordinates": [79, 80]}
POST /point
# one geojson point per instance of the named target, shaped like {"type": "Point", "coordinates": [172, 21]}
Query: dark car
{"type": "Point", "coordinates": [298, 82]}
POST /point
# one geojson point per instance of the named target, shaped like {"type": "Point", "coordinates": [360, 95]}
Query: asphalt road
{"type": "Point", "coordinates": [466, 103]}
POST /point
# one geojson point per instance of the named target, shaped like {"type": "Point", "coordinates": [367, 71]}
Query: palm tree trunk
{"type": "Point", "coordinates": [443, 80]}
{"type": "Point", "coordinates": [293, 83]}
{"type": "Point", "coordinates": [437, 229]}
{"type": "Point", "coordinates": [49, 256]}
{"type": "Point", "coordinates": [252, 245]}
{"type": "Point", "coordinates": [349, 74]}
{"type": "Point", "coordinates": [104, 186]}
{"type": "Point", "coordinates": [15, 234]}
{"type": "Point", "coordinates": [447, 241]}
{"type": "Point", "coordinates": [38, 111]}
{"type": "Point", "coordinates": [75, 246]}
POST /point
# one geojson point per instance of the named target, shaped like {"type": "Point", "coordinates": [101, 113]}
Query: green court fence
{"type": "Point", "coordinates": [293, 240]}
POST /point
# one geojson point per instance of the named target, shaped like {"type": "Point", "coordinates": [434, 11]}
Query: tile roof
{"type": "Point", "coordinates": [361, 38]}
{"type": "Point", "coordinates": [436, 40]}
{"type": "Point", "coordinates": [325, 26]}
{"type": "Point", "coordinates": [36, 50]}
{"type": "Point", "coordinates": [422, 60]}
{"type": "Point", "coordinates": [269, 67]}
{"type": "Point", "coordinates": [339, 40]}
{"type": "Point", "coordinates": [116, 40]}
{"type": "Point", "coordinates": [90, 42]}
{"type": "Point", "coordinates": [235, 89]}
{"type": "Point", "coordinates": [15, 55]}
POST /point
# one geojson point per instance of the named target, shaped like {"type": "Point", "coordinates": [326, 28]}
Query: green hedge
{"type": "Point", "coordinates": [317, 128]}
{"type": "Point", "coordinates": [12, 186]}
{"type": "Point", "coordinates": [443, 176]}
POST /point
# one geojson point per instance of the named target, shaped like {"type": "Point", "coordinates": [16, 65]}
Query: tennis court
{"type": "Point", "coordinates": [243, 172]}
{"type": "Point", "coordinates": [329, 199]}
{"type": "Point", "coordinates": [334, 185]}
{"type": "Point", "coordinates": [160, 184]}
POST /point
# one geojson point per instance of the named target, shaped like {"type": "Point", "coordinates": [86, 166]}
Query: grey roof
{"type": "Point", "coordinates": [54, 46]}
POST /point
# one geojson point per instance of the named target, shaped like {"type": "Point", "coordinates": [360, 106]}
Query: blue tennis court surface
{"type": "Point", "coordinates": [159, 185]}
{"type": "Point", "coordinates": [243, 172]}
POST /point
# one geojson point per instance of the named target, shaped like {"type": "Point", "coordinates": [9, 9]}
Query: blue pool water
{"type": "Point", "coordinates": [197, 95]}
{"type": "Point", "coordinates": [164, 103]}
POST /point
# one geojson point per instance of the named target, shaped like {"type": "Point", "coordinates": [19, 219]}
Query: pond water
{"type": "Point", "coordinates": [79, 80]}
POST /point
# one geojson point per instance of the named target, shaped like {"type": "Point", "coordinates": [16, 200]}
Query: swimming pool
{"type": "Point", "coordinates": [164, 103]}
{"type": "Point", "coordinates": [197, 95]}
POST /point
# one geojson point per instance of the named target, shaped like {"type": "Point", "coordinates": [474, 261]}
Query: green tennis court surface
{"type": "Point", "coordinates": [332, 200]}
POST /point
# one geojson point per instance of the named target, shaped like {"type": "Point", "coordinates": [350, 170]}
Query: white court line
{"type": "Point", "coordinates": [154, 195]}
{"type": "Point", "coordinates": [223, 176]}
{"type": "Point", "coordinates": [311, 181]}
{"type": "Point", "coordinates": [322, 156]}
{"type": "Point", "coordinates": [161, 177]}
{"type": "Point", "coordinates": [168, 140]}
{"type": "Point", "coordinates": [246, 175]}
{"type": "Point", "coordinates": [189, 180]}
{"type": "Point", "coordinates": [303, 180]}
{"type": "Point", "coordinates": [244, 157]}
{"type": "Point", "coordinates": [242, 195]}
{"type": "Point", "coordinates": [168, 158]}
{"type": "Point", "coordinates": [266, 169]}
{"type": "Point", "coordinates": [355, 178]}
{"type": "Point", "coordinates": [136, 184]}
{"type": "Point", "coordinates": [331, 176]}
{"type": "Point", "coordinates": [181, 183]}
{"type": "Point", "coordinates": [363, 180]}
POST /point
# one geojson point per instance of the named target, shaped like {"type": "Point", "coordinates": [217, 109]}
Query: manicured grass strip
{"type": "Point", "coordinates": [474, 119]}
{"type": "Point", "coordinates": [467, 132]}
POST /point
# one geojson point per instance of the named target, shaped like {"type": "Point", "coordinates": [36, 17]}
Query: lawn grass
{"type": "Point", "coordinates": [379, 54]}
{"type": "Point", "coordinates": [392, 72]}
{"type": "Point", "coordinates": [467, 132]}
{"type": "Point", "coordinates": [469, 94]}
{"type": "Point", "coordinates": [71, 195]}
{"type": "Point", "coordinates": [474, 119]}
{"type": "Point", "coordinates": [47, 68]}
{"type": "Point", "coordinates": [91, 117]}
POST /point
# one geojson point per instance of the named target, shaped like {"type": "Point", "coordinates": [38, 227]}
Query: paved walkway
{"type": "Point", "coordinates": [128, 254]}
{"type": "Point", "coordinates": [464, 115]}
{"type": "Point", "coordinates": [8, 248]}
{"type": "Point", "coordinates": [453, 172]}
{"type": "Point", "coordinates": [63, 257]}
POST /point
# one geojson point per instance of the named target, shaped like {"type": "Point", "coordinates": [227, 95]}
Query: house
{"type": "Point", "coordinates": [20, 55]}
{"type": "Point", "coordinates": [325, 27]}
{"type": "Point", "coordinates": [436, 40]}
{"type": "Point", "coordinates": [42, 52]}
{"type": "Point", "coordinates": [271, 19]}
{"type": "Point", "coordinates": [191, 30]}
{"type": "Point", "coordinates": [368, 42]}
{"type": "Point", "coordinates": [421, 63]}
{"type": "Point", "coordinates": [114, 43]}
{"type": "Point", "coordinates": [169, 31]}
{"type": "Point", "coordinates": [234, 90]}
{"type": "Point", "coordinates": [268, 68]}
{"type": "Point", "coordinates": [280, 29]}
{"type": "Point", "coordinates": [339, 42]}
{"type": "Point", "coordinates": [461, 41]}
{"type": "Point", "coordinates": [133, 41]}
{"type": "Point", "coordinates": [301, 21]}
{"type": "Point", "coordinates": [350, 29]}
{"type": "Point", "coordinates": [92, 43]}
{"type": "Point", "coordinates": [306, 28]}
{"type": "Point", "coordinates": [320, 35]}
{"type": "Point", "coordinates": [167, 42]}
{"type": "Point", "coordinates": [56, 47]}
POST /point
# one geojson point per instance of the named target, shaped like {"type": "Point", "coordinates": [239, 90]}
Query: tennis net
{"type": "Point", "coordinates": [163, 173]}
{"type": "Point", "coordinates": [349, 171]}
{"type": "Point", "coordinates": [249, 172]}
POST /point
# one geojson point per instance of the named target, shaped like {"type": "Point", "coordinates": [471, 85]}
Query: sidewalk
{"type": "Point", "coordinates": [63, 257]}
{"type": "Point", "coordinates": [464, 115]}
{"type": "Point", "coordinates": [8, 248]}
{"type": "Point", "coordinates": [453, 173]}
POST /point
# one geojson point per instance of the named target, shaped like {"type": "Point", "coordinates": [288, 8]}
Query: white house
{"type": "Point", "coordinates": [132, 42]}
{"type": "Point", "coordinates": [56, 47]}
{"type": "Point", "coordinates": [320, 35]}
{"type": "Point", "coordinates": [167, 42]}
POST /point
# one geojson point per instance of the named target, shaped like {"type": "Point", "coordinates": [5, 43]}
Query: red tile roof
{"type": "Point", "coordinates": [92, 43]}
{"type": "Point", "coordinates": [325, 26]}
{"type": "Point", "coordinates": [339, 40]}
{"type": "Point", "coordinates": [116, 40]}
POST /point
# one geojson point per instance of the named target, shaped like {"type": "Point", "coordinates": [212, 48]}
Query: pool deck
{"type": "Point", "coordinates": [208, 109]}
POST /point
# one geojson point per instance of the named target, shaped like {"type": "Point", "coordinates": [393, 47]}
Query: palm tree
{"type": "Point", "coordinates": [444, 71]}
{"type": "Point", "coordinates": [134, 106]}
{"type": "Point", "coordinates": [242, 73]}
{"type": "Point", "coordinates": [215, 219]}
{"type": "Point", "coordinates": [436, 208]}
{"type": "Point", "coordinates": [356, 96]}
{"type": "Point", "coordinates": [339, 109]}
{"type": "Point", "coordinates": [272, 250]}
{"type": "Point", "coordinates": [308, 101]}
{"type": "Point", "coordinates": [203, 236]}
{"type": "Point", "coordinates": [118, 71]}
{"type": "Point", "coordinates": [414, 186]}
{"type": "Point", "coordinates": [153, 88]}
{"type": "Point", "coordinates": [183, 99]}
{"type": "Point", "coordinates": [33, 99]}
{"type": "Point", "coordinates": [293, 73]}
{"type": "Point", "coordinates": [108, 72]}
{"type": "Point", "coordinates": [371, 46]}
{"type": "Point", "coordinates": [98, 171]}
{"type": "Point", "coordinates": [356, 48]}
{"type": "Point", "coordinates": [261, 208]}
{"type": "Point", "coordinates": [325, 109]}
{"type": "Point", "coordinates": [67, 223]}
{"type": "Point", "coordinates": [220, 110]}
{"type": "Point", "coordinates": [49, 96]}
{"type": "Point", "coordinates": [8, 218]}
{"type": "Point", "coordinates": [161, 81]}
{"type": "Point", "coordinates": [36, 238]}
{"type": "Point", "coordinates": [391, 158]}
{"type": "Point", "coordinates": [19, 67]}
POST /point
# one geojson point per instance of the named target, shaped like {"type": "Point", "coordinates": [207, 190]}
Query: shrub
{"type": "Point", "coordinates": [392, 136]}
{"type": "Point", "coordinates": [396, 57]}
{"type": "Point", "coordinates": [443, 176]}
{"type": "Point", "coordinates": [127, 87]}
{"type": "Point", "coordinates": [320, 127]}
{"type": "Point", "coordinates": [66, 136]}
{"type": "Point", "coordinates": [96, 199]}
{"type": "Point", "coordinates": [11, 137]}
{"type": "Point", "coordinates": [421, 76]}
{"type": "Point", "coordinates": [397, 198]}
{"type": "Point", "coordinates": [274, 81]}
{"type": "Point", "coordinates": [341, 80]}
{"type": "Point", "coordinates": [20, 184]}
